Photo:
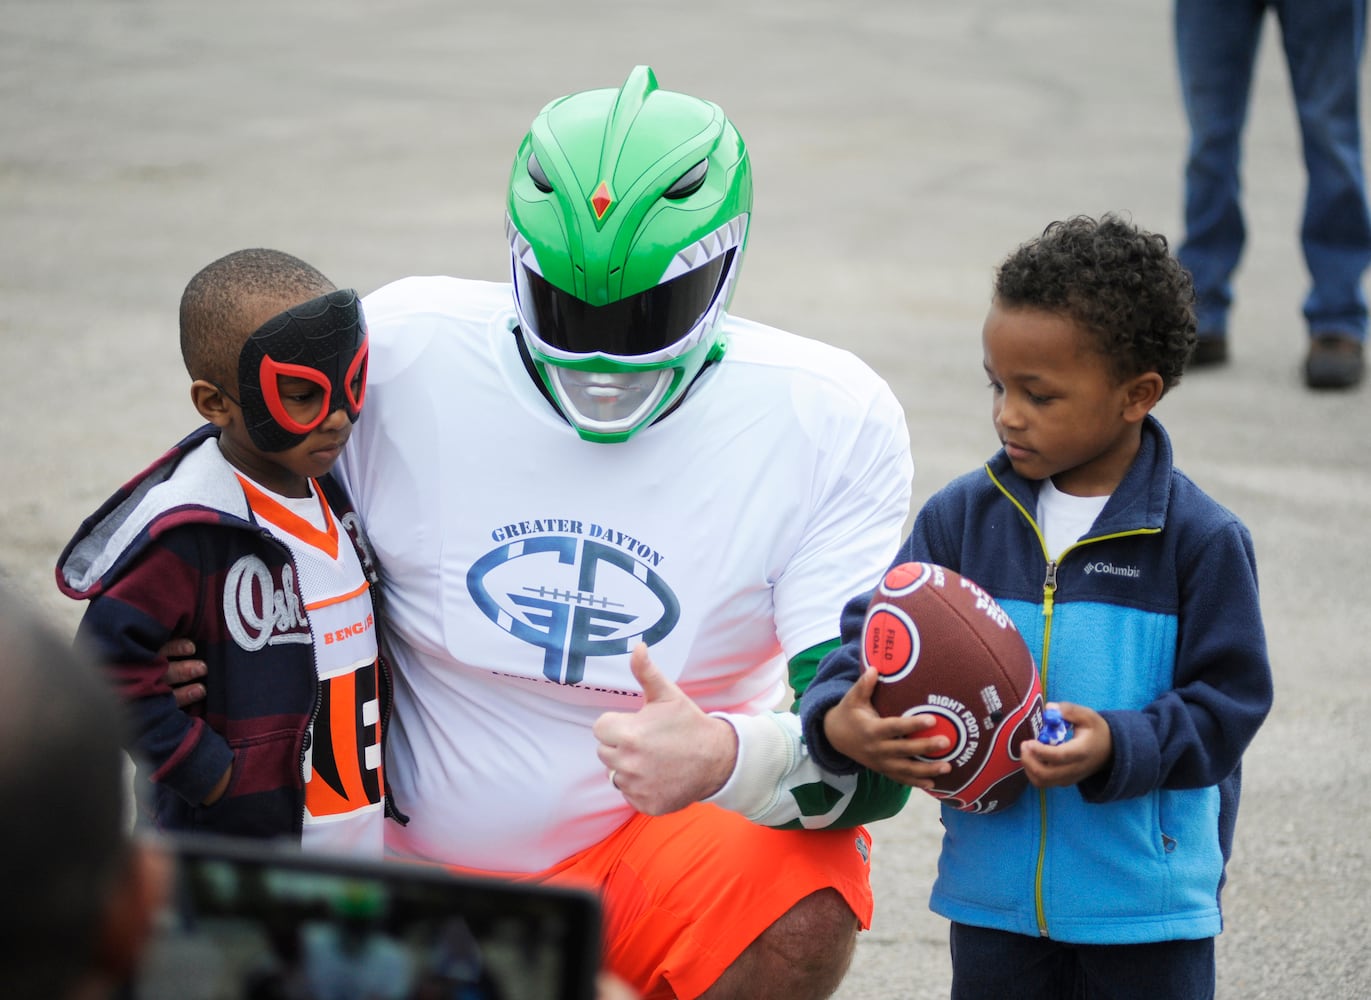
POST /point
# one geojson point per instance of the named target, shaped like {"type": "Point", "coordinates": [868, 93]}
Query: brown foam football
{"type": "Point", "coordinates": [943, 647]}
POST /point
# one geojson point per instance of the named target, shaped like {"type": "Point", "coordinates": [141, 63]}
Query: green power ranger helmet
{"type": "Point", "coordinates": [627, 218]}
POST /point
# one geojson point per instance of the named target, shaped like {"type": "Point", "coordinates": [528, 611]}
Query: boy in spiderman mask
{"type": "Point", "coordinates": [238, 540]}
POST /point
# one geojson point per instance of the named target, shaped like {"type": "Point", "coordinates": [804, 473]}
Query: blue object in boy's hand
{"type": "Point", "coordinates": [1055, 728]}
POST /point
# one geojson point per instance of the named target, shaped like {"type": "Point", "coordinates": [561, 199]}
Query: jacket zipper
{"type": "Point", "coordinates": [1049, 594]}
{"type": "Point", "coordinates": [306, 743]}
{"type": "Point", "coordinates": [307, 737]}
{"type": "Point", "coordinates": [1049, 600]}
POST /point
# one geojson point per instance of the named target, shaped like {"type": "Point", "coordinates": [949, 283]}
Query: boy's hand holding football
{"type": "Point", "coordinates": [888, 746]}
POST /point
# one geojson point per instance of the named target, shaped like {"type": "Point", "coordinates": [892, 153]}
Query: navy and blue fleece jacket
{"type": "Point", "coordinates": [1152, 619]}
{"type": "Point", "coordinates": [176, 553]}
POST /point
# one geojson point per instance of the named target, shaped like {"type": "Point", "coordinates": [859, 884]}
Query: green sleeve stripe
{"type": "Point", "coordinates": [803, 667]}
{"type": "Point", "coordinates": [877, 797]}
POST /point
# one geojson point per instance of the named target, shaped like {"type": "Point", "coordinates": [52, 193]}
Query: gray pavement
{"type": "Point", "coordinates": [901, 148]}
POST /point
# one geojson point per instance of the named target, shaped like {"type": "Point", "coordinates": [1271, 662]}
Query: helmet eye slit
{"type": "Point", "coordinates": [688, 183]}
{"type": "Point", "coordinates": [538, 176]}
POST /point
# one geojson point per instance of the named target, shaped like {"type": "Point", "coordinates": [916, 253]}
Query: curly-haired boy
{"type": "Point", "coordinates": [1137, 594]}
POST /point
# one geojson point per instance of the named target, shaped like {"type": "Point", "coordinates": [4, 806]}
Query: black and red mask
{"type": "Point", "coordinates": [323, 341]}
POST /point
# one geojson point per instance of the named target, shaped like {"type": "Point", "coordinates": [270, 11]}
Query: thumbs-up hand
{"type": "Point", "coordinates": [669, 753]}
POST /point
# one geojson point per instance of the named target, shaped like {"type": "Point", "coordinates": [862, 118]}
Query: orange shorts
{"type": "Point", "coordinates": [684, 894]}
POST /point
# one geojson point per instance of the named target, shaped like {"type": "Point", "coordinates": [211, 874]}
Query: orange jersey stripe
{"type": "Point", "coordinates": [326, 602]}
{"type": "Point", "coordinates": [290, 522]}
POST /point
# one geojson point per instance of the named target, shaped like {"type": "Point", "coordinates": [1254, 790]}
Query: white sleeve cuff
{"type": "Point", "coordinates": [769, 748]}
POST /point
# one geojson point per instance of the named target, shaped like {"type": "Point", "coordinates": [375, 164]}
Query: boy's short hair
{"type": "Point", "coordinates": [212, 327]}
{"type": "Point", "coordinates": [1119, 282]}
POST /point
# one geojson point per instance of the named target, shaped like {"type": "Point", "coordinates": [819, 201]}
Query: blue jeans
{"type": "Point", "coordinates": [1216, 48]}
{"type": "Point", "coordinates": [997, 965]}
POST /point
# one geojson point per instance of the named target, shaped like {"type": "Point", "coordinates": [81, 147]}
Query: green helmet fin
{"type": "Point", "coordinates": [630, 101]}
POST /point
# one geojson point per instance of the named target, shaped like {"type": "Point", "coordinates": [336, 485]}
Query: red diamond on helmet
{"type": "Point", "coordinates": [601, 200]}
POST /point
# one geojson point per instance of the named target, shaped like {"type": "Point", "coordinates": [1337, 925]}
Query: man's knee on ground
{"type": "Point", "coordinates": [805, 953]}
{"type": "Point", "coordinates": [821, 922]}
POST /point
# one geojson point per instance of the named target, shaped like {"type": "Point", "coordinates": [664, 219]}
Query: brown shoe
{"type": "Point", "coordinates": [1334, 361]}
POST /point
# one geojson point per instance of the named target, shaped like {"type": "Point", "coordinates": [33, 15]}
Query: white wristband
{"type": "Point", "coordinates": [769, 748]}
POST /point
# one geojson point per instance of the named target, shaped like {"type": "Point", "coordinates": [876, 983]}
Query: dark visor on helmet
{"type": "Point", "coordinates": [640, 324]}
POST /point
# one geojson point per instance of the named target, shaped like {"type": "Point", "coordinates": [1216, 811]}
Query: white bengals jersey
{"type": "Point", "coordinates": [522, 564]}
{"type": "Point", "coordinates": [343, 772]}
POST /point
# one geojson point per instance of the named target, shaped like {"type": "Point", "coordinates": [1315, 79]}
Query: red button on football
{"type": "Point", "coordinates": [891, 643]}
{"type": "Point", "coordinates": [943, 727]}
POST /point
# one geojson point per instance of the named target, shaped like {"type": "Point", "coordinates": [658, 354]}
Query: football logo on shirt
{"type": "Point", "coordinates": [573, 597]}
